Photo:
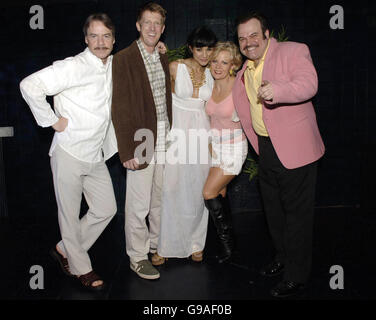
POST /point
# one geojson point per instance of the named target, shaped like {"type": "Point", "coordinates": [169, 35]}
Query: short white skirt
{"type": "Point", "coordinates": [229, 156]}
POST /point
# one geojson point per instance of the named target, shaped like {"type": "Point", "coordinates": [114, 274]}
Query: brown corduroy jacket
{"type": "Point", "coordinates": [133, 106]}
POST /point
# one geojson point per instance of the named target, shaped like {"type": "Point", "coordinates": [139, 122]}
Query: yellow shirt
{"type": "Point", "coordinates": [252, 80]}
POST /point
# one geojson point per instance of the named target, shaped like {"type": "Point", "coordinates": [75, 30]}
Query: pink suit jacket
{"type": "Point", "coordinates": [290, 118]}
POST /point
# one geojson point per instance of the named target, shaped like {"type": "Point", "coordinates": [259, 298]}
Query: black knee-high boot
{"type": "Point", "coordinates": [219, 210]}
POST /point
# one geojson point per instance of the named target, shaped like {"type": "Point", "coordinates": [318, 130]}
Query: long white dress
{"type": "Point", "coordinates": [184, 218]}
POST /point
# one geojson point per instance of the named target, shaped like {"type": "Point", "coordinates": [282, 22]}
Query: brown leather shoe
{"type": "Point", "coordinates": [87, 280]}
{"type": "Point", "coordinates": [63, 262]}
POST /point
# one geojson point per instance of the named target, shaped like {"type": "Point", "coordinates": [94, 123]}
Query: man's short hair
{"type": "Point", "coordinates": [253, 15]}
{"type": "Point", "coordinates": [102, 17]}
{"type": "Point", "coordinates": [152, 7]}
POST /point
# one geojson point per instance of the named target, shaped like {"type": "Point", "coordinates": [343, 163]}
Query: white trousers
{"type": "Point", "coordinates": [143, 200]}
{"type": "Point", "coordinates": [73, 177]}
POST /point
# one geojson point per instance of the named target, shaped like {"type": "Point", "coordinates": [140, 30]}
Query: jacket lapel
{"type": "Point", "coordinates": [243, 70]}
{"type": "Point", "coordinates": [268, 64]}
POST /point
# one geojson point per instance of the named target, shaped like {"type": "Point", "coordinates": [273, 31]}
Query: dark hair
{"type": "Point", "coordinates": [202, 37]}
{"type": "Point", "coordinates": [253, 15]}
{"type": "Point", "coordinates": [104, 18]}
{"type": "Point", "coordinates": [152, 7]}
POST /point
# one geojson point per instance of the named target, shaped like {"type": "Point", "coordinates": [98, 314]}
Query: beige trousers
{"type": "Point", "coordinates": [72, 178]}
{"type": "Point", "coordinates": [143, 200]}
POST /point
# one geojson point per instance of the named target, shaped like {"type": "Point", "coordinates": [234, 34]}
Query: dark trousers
{"type": "Point", "coordinates": [288, 197]}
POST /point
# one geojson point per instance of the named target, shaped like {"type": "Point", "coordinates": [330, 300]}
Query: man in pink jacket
{"type": "Point", "coordinates": [272, 97]}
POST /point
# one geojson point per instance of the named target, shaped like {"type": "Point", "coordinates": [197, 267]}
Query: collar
{"type": "Point", "coordinates": [251, 64]}
{"type": "Point", "coordinates": [95, 60]}
{"type": "Point", "coordinates": [149, 57]}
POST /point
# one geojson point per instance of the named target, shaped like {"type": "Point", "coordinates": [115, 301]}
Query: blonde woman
{"type": "Point", "coordinates": [229, 146]}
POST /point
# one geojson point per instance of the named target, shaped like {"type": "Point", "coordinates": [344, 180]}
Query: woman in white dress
{"type": "Point", "coordinates": [184, 218]}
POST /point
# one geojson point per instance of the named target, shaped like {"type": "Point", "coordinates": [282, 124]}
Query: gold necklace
{"type": "Point", "coordinates": [197, 83]}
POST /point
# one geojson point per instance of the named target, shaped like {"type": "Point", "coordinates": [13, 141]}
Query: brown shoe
{"type": "Point", "coordinates": [88, 279]}
{"type": "Point", "coordinates": [157, 260]}
{"type": "Point", "coordinates": [63, 262]}
{"type": "Point", "coordinates": [198, 256]}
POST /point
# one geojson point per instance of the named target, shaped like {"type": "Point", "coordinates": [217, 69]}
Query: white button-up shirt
{"type": "Point", "coordinates": [82, 90]}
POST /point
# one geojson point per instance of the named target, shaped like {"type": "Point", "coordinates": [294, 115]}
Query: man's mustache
{"type": "Point", "coordinates": [101, 48]}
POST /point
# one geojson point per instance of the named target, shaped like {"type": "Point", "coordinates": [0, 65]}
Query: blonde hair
{"type": "Point", "coordinates": [236, 57]}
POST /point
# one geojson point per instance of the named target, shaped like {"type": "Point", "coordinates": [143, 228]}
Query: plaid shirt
{"type": "Point", "coordinates": [157, 80]}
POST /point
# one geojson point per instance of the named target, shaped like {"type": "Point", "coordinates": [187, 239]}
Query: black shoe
{"type": "Point", "coordinates": [226, 250]}
{"type": "Point", "coordinates": [286, 289]}
{"type": "Point", "coordinates": [273, 269]}
{"type": "Point", "coordinates": [219, 211]}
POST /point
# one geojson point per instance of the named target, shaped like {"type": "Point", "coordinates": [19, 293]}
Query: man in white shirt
{"type": "Point", "coordinates": [84, 139]}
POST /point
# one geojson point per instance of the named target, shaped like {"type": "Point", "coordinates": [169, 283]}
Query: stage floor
{"type": "Point", "coordinates": [342, 236]}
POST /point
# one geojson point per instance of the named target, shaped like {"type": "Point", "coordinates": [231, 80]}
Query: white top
{"type": "Point", "coordinates": [82, 90]}
{"type": "Point", "coordinates": [184, 218]}
{"type": "Point", "coordinates": [184, 86]}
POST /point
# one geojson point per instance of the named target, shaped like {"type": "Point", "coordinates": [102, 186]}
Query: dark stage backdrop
{"type": "Point", "coordinates": [343, 58]}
